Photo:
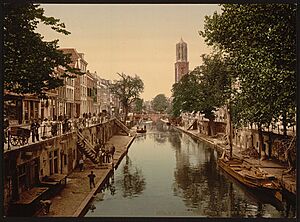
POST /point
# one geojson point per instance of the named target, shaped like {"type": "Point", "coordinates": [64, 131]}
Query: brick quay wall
{"type": "Point", "coordinates": [26, 167]}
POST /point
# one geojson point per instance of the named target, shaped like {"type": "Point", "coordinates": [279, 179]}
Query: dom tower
{"type": "Point", "coordinates": [181, 65]}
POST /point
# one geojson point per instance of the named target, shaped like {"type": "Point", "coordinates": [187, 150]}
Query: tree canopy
{"type": "Point", "coordinates": [160, 103]}
{"type": "Point", "coordinates": [205, 89]}
{"type": "Point", "coordinates": [30, 62]}
{"type": "Point", "coordinates": [127, 89]}
{"type": "Point", "coordinates": [260, 40]}
{"type": "Point", "coordinates": [138, 108]}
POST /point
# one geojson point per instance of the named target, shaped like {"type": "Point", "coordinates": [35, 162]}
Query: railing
{"type": "Point", "coordinates": [121, 125]}
{"type": "Point", "coordinates": [51, 129]}
{"type": "Point", "coordinates": [90, 146]}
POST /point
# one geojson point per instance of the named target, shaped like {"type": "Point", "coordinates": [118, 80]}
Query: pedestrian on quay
{"type": "Point", "coordinates": [54, 129]}
{"type": "Point", "coordinates": [81, 164]}
{"type": "Point", "coordinates": [112, 151]}
{"type": "Point", "coordinates": [64, 125]}
{"type": "Point", "coordinates": [103, 153]}
{"type": "Point", "coordinates": [43, 127]}
{"type": "Point", "coordinates": [92, 179]}
{"type": "Point", "coordinates": [46, 204]}
{"type": "Point", "coordinates": [6, 127]}
{"type": "Point", "coordinates": [34, 127]}
{"type": "Point", "coordinates": [107, 155]}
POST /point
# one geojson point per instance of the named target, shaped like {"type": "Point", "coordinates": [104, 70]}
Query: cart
{"type": "Point", "coordinates": [19, 136]}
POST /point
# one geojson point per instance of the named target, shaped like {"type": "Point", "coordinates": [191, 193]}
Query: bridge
{"type": "Point", "coordinates": [151, 116]}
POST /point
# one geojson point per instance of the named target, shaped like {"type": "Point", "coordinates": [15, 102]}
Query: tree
{"type": "Point", "coordinates": [128, 90]}
{"type": "Point", "coordinates": [29, 62]}
{"type": "Point", "coordinates": [261, 42]}
{"type": "Point", "coordinates": [160, 103]}
{"type": "Point", "coordinates": [205, 89]}
{"type": "Point", "coordinates": [138, 105]}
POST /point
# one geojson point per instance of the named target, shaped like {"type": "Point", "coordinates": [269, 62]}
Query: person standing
{"type": "Point", "coordinates": [6, 127]}
{"type": "Point", "coordinates": [37, 126]}
{"type": "Point", "coordinates": [35, 130]}
{"type": "Point", "coordinates": [112, 152]}
{"type": "Point", "coordinates": [43, 127]}
{"type": "Point", "coordinates": [81, 164]}
{"type": "Point", "coordinates": [92, 179]}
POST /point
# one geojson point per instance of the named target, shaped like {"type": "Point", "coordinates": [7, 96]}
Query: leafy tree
{"type": "Point", "coordinates": [186, 93]}
{"type": "Point", "coordinates": [205, 89]}
{"type": "Point", "coordinates": [261, 42]}
{"type": "Point", "coordinates": [128, 90]}
{"type": "Point", "coordinates": [160, 103]}
{"type": "Point", "coordinates": [29, 62]}
{"type": "Point", "coordinates": [138, 105]}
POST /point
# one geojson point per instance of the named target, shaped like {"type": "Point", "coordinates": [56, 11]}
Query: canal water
{"type": "Point", "coordinates": [168, 173]}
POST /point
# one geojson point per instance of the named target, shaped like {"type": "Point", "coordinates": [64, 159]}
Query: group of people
{"type": "Point", "coordinates": [106, 154]}
{"type": "Point", "coordinates": [58, 125]}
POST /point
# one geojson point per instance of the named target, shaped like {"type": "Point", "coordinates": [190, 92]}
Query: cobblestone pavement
{"type": "Point", "coordinates": [77, 193]}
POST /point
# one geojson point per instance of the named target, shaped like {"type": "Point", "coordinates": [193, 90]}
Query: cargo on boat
{"type": "Point", "coordinates": [252, 177]}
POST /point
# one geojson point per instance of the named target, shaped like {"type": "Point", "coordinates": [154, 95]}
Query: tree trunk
{"type": "Point", "coordinates": [229, 130]}
{"type": "Point", "coordinates": [125, 114]}
{"type": "Point", "coordinates": [284, 123]}
{"type": "Point", "coordinates": [260, 139]}
{"type": "Point", "coordinates": [270, 143]}
{"type": "Point", "coordinates": [211, 126]}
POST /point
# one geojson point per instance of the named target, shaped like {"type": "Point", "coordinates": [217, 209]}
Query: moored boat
{"type": "Point", "coordinates": [252, 177]}
{"type": "Point", "coordinates": [141, 131]}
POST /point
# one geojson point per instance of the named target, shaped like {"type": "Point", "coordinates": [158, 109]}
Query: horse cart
{"type": "Point", "coordinates": [19, 136]}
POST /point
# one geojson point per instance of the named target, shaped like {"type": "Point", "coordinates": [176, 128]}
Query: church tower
{"type": "Point", "coordinates": [181, 65]}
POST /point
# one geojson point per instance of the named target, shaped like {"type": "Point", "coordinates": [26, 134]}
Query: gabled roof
{"type": "Point", "coordinates": [74, 55]}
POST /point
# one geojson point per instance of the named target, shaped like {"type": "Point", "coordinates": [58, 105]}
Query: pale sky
{"type": "Point", "coordinates": [134, 39]}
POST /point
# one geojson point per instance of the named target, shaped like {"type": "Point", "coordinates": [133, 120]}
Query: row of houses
{"type": "Point", "coordinates": [87, 93]}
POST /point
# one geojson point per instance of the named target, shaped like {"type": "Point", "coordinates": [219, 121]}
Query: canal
{"type": "Point", "coordinates": [168, 173]}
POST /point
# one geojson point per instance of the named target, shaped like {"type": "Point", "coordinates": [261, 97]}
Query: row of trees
{"type": "Point", "coordinates": [255, 46]}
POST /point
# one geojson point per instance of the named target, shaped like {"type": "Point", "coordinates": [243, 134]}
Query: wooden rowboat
{"type": "Point", "coordinates": [250, 176]}
{"type": "Point", "coordinates": [141, 131]}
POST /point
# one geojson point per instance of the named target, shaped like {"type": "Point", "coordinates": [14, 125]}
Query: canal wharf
{"type": "Point", "coordinates": [287, 181]}
{"type": "Point", "coordinates": [74, 199]}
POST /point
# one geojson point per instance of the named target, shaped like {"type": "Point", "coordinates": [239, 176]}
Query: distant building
{"type": "Point", "coordinates": [74, 88]}
{"type": "Point", "coordinates": [181, 64]}
{"type": "Point", "coordinates": [90, 86]}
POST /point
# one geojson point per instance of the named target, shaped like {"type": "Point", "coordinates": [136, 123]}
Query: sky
{"type": "Point", "coordinates": [134, 39]}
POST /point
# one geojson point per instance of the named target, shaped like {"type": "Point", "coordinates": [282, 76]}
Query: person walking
{"type": "Point", "coordinates": [92, 179]}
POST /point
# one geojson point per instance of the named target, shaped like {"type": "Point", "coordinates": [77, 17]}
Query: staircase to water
{"type": "Point", "coordinates": [122, 126]}
{"type": "Point", "coordinates": [86, 148]}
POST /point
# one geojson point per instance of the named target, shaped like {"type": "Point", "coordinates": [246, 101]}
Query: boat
{"type": "Point", "coordinates": [252, 177]}
{"type": "Point", "coordinates": [141, 131]}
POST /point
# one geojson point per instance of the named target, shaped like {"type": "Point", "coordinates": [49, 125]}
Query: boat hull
{"type": "Point", "coordinates": [253, 183]}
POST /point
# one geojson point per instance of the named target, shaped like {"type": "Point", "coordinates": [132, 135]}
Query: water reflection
{"type": "Point", "coordinates": [133, 182]}
{"type": "Point", "coordinates": [207, 191]}
{"type": "Point", "coordinates": [182, 179]}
